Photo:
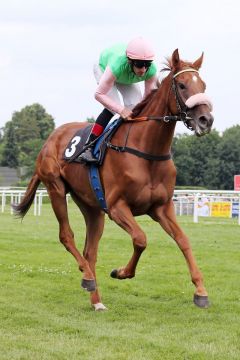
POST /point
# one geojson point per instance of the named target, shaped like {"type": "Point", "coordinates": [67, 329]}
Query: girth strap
{"type": "Point", "coordinates": [97, 186]}
{"type": "Point", "coordinates": [139, 153]}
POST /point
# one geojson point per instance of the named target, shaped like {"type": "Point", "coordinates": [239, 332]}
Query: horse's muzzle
{"type": "Point", "coordinates": [201, 123]}
{"type": "Point", "coordinates": [204, 124]}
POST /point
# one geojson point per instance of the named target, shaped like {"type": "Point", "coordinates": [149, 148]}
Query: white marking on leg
{"type": "Point", "coordinates": [99, 307]}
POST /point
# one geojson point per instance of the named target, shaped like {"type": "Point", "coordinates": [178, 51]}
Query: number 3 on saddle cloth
{"type": "Point", "coordinates": [76, 146]}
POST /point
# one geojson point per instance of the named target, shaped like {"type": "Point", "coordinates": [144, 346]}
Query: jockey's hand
{"type": "Point", "coordinates": [126, 114]}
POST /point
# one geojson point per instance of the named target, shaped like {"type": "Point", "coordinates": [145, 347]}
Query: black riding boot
{"type": "Point", "coordinates": [97, 129]}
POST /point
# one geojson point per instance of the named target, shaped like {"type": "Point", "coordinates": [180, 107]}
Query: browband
{"type": "Point", "coordinates": [183, 71]}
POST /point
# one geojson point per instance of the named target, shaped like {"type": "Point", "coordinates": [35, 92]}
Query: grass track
{"type": "Point", "coordinates": [45, 315]}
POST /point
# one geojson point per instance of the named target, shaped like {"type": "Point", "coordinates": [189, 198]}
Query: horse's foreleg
{"type": "Point", "coordinates": [122, 215]}
{"type": "Point", "coordinates": [166, 217]}
{"type": "Point", "coordinates": [94, 219]}
{"type": "Point", "coordinates": [56, 191]}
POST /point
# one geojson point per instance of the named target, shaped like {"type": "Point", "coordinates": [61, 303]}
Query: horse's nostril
{"type": "Point", "coordinates": [205, 121]}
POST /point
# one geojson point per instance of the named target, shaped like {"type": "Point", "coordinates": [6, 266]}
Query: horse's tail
{"type": "Point", "coordinates": [22, 208]}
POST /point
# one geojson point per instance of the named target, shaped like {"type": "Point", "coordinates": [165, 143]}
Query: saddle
{"type": "Point", "coordinates": [77, 144]}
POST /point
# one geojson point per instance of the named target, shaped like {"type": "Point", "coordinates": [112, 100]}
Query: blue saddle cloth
{"type": "Point", "coordinates": [100, 146]}
{"type": "Point", "coordinates": [76, 146]}
{"type": "Point", "coordinates": [99, 153]}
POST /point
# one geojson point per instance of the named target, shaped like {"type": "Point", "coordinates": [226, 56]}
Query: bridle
{"type": "Point", "coordinates": [181, 116]}
{"type": "Point", "coordinates": [181, 106]}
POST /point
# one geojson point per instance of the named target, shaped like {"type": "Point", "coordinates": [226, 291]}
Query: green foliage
{"type": "Point", "coordinates": [1, 151]}
{"type": "Point", "coordinates": [182, 158]}
{"type": "Point", "coordinates": [24, 136]}
{"type": "Point", "coordinates": [10, 148]}
{"type": "Point", "coordinates": [29, 155]}
{"type": "Point", "coordinates": [210, 161]}
{"type": "Point", "coordinates": [229, 155]}
{"type": "Point", "coordinates": [178, 187]}
{"type": "Point", "coordinates": [45, 314]}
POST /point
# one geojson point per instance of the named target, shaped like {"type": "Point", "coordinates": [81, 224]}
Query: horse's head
{"type": "Point", "coordinates": [187, 97]}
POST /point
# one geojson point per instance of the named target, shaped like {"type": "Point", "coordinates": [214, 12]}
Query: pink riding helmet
{"type": "Point", "coordinates": [140, 49]}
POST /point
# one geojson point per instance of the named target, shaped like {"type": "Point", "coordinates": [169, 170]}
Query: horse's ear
{"type": "Point", "coordinates": [198, 63]}
{"type": "Point", "coordinates": [175, 60]}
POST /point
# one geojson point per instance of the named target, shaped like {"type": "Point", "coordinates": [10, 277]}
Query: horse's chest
{"type": "Point", "coordinates": [158, 194]}
{"type": "Point", "coordinates": [150, 194]}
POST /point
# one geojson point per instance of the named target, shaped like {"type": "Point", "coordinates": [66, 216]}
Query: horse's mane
{"type": "Point", "coordinates": [168, 67]}
{"type": "Point", "coordinates": [138, 108]}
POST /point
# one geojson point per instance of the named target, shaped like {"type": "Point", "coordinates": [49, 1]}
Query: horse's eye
{"type": "Point", "coordinates": [182, 86]}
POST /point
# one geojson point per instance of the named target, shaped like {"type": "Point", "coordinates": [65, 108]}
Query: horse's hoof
{"type": "Point", "coordinates": [114, 274]}
{"type": "Point", "coordinates": [88, 285]}
{"type": "Point", "coordinates": [201, 301]}
{"type": "Point", "coordinates": [99, 307]}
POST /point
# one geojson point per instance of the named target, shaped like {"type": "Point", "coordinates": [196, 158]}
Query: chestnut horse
{"type": "Point", "coordinates": [133, 185]}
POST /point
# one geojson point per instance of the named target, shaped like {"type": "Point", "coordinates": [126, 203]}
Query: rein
{"type": "Point", "coordinates": [167, 118]}
{"type": "Point", "coordinates": [182, 116]}
{"type": "Point", "coordinates": [182, 107]}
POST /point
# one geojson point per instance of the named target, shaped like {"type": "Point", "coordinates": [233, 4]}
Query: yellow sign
{"type": "Point", "coordinates": [221, 209]}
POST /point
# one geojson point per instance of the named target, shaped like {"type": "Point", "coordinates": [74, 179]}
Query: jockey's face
{"type": "Point", "coordinates": [139, 71]}
{"type": "Point", "coordinates": [139, 67]}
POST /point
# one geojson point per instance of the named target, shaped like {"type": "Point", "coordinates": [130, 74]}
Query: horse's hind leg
{"type": "Point", "coordinates": [94, 219]}
{"type": "Point", "coordinates": [122, 215]}
{"type": "Point", "coordinates": [166, 217]}
{"type": "Point", "coordinates": [57, 194]}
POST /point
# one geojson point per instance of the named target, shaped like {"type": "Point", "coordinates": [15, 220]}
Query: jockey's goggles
{"type": "Point", "coordinates": [141, 63]}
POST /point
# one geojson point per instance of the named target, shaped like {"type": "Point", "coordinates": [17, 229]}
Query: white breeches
{"type": "Point", "coordinates": [131, 94]}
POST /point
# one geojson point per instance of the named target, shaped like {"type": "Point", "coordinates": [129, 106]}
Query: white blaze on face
{"type": "Point", "coordinates": [195, 79]}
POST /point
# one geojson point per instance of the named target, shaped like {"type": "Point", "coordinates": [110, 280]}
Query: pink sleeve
{"type": "Point", "coordinates": [106, 83]}
{"type": "Point", "coordinates": [150, 84]}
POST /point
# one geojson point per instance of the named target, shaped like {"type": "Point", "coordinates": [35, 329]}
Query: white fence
{"type": "Point", "coordinates": [14, 196]}
{"type": "Point", "coordinates": [219, 203]}
{"type": "Point", "coordinates": [187, 202]}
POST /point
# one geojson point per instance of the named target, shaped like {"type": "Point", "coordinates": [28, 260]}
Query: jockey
{"type": "Point", "coordinates": [120, 67]}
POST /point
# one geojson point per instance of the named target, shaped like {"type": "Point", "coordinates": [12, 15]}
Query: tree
{"type": "Point", "coordinates": [28, 158]}
{"type": "Point", "coordinates": [182, 159]}
{"type": "Point", "coordinates": [1, 144]}
{"type": "Point", "coordinates": [229, 154]}
{"type": "Point", "coordinates": [44, 121]}
{"type": "Point", "coordinates": [31, 126]}
{"type": "Point", "coordinates": [197, 159]}
{"type": "Point", "coordinates": [205, 152]}
{"type": "Point", "coordinates": [10, 150]}
{"type": "Point", "coordinates": [32, 122]}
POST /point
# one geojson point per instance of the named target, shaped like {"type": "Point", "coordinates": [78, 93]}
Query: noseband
{"type": "Point", "coordinates": [181, 106]}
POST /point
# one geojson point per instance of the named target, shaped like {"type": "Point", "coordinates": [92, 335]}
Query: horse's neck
{"type": "Point", "coordinates": [155, 136]}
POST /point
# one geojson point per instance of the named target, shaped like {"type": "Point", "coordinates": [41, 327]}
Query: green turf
{"type": "Point", "coordinates": [44, 314]}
